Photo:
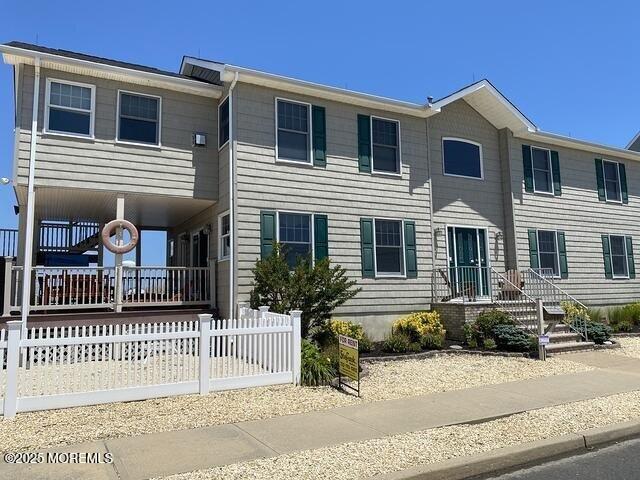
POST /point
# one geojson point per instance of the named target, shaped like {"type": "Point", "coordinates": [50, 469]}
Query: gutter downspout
{"type": "Point", "coordinates": [232, 210]}
{"type": "Point", "coordinates": [31, 200]}
{"type": "Point", "coordinates": [431, 227]}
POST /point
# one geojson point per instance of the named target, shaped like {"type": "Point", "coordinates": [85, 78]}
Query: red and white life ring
{"type": "Point", "coordinates": [110, 228]}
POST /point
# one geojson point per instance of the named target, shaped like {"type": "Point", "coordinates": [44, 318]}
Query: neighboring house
{"type": "Point", "coordinates": [409, 198]}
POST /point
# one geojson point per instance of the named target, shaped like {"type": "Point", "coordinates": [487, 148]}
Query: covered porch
{"type": "Point", "coordinates": [73, 272]}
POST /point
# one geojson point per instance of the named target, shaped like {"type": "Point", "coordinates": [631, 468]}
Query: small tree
{"type": "Point", "coordinates": [316, 289]}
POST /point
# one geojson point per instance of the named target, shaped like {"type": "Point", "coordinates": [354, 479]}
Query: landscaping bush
{"type": "Point", "coordinates": [350, 329]}
{"type": "Point", "coordinates": [573, 311]}
{"type": "Point", "coordinates": [316, 289]}
{"type": "Point", "coordinates": [490, 344]}
{"type": "Point", "coordinates": [596, 332]}
{"type": "Point", "coordinates": [482, 328]}
{"type": "Point", "coordinates": [595, 314]}
{"type": "Point", "coordinates": [423, 328]}
{"type": "Point", "coordinates": [511, 338]}
{"type": "Point", "coordinates": [400, 343]}
{"type": "Point", "coordinates": [315, 368]}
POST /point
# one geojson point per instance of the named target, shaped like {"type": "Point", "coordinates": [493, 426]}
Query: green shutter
{"type": "Point", "coordinates": [320, 237]}
{"type": "Point", "coordinates": [606, 253]}
{"type": "Point", "coordinates": [410, 248]}
{"type": "Point", "coordinates": [364, 143]}
{"type": "Point", "coordinates": [600, 180]}
{"type": "Point", "coordinates": [319, 126]}
{"type": "Point", "coordinates": [366, 243]}
{"type": "Point", "coordinates": [528, 168]}
{"type": "Point", "coordinates": [562, 256]}
{"type": "Point", "coordinates": [623, 183]}
{"type": "Point", "coordinates": [630, 262]}
{"type": "Point", "coordinates": [267, 233]}
{"type": "Point", "coordinates": [533, 249]}
{"type": "Point", "coordinates": [555, 167]}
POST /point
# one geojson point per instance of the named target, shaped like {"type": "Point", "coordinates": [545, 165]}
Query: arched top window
{"type": "Point", "coordinates": [461, 158]}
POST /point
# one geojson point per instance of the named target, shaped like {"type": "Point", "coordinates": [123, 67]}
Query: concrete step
{"type": "Point", "coordinates": [563, 337]}
{"type": "Point", "coordinates": [566, 347]}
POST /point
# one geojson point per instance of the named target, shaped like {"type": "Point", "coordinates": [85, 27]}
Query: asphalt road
{"type": "Point", "coordinates": [617, 462]}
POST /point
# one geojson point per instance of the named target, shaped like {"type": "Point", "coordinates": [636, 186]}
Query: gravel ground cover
{"type": "Point", "coordinates": [629, 346]}
{"type": "Point", "coordinates": [384, 381]}
{"type": "Point", "coordinates": [363, 459]}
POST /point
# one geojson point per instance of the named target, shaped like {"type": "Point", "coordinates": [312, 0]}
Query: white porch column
{"type": "Point", "coordinates": [118, 256]}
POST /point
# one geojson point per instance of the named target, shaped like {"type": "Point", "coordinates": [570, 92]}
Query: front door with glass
{"type": "Point", "coordinates": [469, 276]}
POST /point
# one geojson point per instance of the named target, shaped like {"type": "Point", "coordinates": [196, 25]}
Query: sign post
{"type": "Point", "coordinates": [349, 363]}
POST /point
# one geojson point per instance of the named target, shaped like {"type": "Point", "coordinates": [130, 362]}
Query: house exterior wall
{"type": "Point", "coordinates": [340, 191]}
{"type": "Point", "coordinates": [174, 169]}
{"type": "Point", "coordinates": [467, 201]}
{"type": "Point", "coordinates": [583, 218]}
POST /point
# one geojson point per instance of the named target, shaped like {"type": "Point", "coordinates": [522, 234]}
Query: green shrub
{"type": "Point", "coordinates": [595, 314]}
{"type": "Point", "coordinates": [596, 332]}
{"type": "Point", "coordinates": [481, 329]}
{"type": "Point", "coordinates": [350, 329]}
{"type": "Point", "coordinates": [423, 328]}
{"type": "Point", "coordinates": [400, 343]}
{"type": "Point", "coordinates": [511, 338]}
{"type": "Point", "coordinates": [572, 311]}
{"type": "Point", "coordinates": [315, 288]}
{"type": "Point", "coordinates": [490, 344]}
{"type": "Point", "coordinates": [624, 318]}
{"type": "Point", "coordinates": [315, 368]}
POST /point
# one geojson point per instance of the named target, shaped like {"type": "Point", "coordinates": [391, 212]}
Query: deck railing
{"type": "Point", "coordinates": [75, 288]}
{"type": "Point", "coordinates": [8, 242]}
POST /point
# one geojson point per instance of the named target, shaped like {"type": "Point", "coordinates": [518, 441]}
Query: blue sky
{"type": "Point", "coordinates": [571, 67]}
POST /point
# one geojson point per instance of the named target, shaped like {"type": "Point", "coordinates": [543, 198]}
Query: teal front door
{"type": "Point", "coordinates": [468, 261]}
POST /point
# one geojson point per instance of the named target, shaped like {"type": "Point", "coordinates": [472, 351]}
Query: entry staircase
{"type": "Point", "coordinates": [69, 237]}
{"type": "Point", "coordinates": [515, 292]}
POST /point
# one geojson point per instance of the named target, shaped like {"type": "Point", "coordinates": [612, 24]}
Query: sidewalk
{"type": "Point", "coordinates": [168, 453]}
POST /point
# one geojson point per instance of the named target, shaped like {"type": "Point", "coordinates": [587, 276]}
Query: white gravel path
{"type": "Point", "coordinates": [386, 380]}
{"type": "Point", "coordinates": [630, 347]}
{"type": "Point", "coordinates": [363, 459]}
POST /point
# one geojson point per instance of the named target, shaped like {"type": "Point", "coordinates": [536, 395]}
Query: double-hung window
{"type": "Point", "coordinates": [293, 122]}
{"type": "Point", "coordinates": [70, 108]}
{"type": "Point", "coordinates": [548, 252]}
{"type": "Point", "coordinates": [224, 236]}
{"type": "Point", "coordinates": [611, 175]}
{"type": "Point", "coordinates": [223, 123]}
{"type": "Point", "coordinates": [385, 145]}
{"type": "Point", "coordinates": [618, 256]}
{"type": "Point", "coordinates": [461, 158]}
{"type": "Point", "coordinates": [389, 251]}
{"type": "Point", "coordinates": [542, 173]}
{"type": "Point", "coordinates": [294, 233]}
{"type": "Point", "coordinates": [139, 118]}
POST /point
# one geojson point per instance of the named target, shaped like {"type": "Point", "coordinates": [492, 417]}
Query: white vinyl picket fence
{"type": "Point", "coordinates": [60, 367]}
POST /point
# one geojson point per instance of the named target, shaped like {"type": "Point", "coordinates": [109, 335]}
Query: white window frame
{"type": "Point", "coordinates": [626, 256]}
{"type": "Point", "coordinates": [312, 226]}
{"type": "Point", "coordinates": [557, 250]}
{"type": "Point", "coordinates": [221, 237]}
{"type": "Point", "coordinates": [533, 171]}
{"type": "Point", "coordinates": [464, 140]}
{"type": "Point", "coordinates": [130, 142]}
{"type": "Point", "coordinates": [309, 161]}
{"type": "Point", "coordinates": [604, 181]}
{"type": "Point", "coordinates": [225, 99]}
{"type": "Point", "coordinates": [399, 160]}
{"type": "Point", "coordinates": [402, 275]}
{"type": "Point", "coordinates": [92, 112]}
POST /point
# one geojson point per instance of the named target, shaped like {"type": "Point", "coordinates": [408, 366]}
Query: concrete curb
{"type": "Point", "coordinates": [508, 458]}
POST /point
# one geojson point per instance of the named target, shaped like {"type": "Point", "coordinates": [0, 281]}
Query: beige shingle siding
{"type": "Point", "coordinates": [467, 201]}
{"type": "Point", "coordinates": [339, 190]}
{"type": "Point", "coordinates": [583, 218]}
{"type": "Point", "coordinates": [177, 168]}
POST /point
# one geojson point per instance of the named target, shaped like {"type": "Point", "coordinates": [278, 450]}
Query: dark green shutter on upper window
{"type": "Point", "coordinates": [364, 143]}
{"type": "Point", "coordinates": [528, 168]}
{"type": "Point", "coordinates": [533, 249]}
{"type": "Point", "coordinates": [562, 255]}
{"type": "Point", "coordinates": [630, 262]}
{"type": "Point", "coordinates": [319, 126]}
{"type": "Point", "coordinates": [600, 180]}
{"type": "Point", "coordinates": [267, 233]}
{"type": "Point", "coordinates": [366, 244]}
{"type": "Point", "coordinates": [606, 254]}
{"type": "Point", "coordinates": [410, 248]}
{"type": "Point", "coordinates": [555, 169]}
{"type": "Point", "coordinates": [623, 183]}
{"type": "Point", "coordinates": [320, 237]}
